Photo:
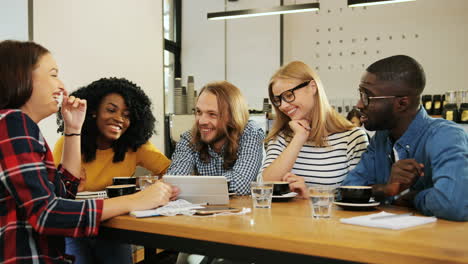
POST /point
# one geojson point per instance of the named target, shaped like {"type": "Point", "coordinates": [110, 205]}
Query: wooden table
{"type": "Point", "coordinates": [287, 233]}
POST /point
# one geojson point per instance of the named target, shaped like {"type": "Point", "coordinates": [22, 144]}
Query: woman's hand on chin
{"type": "Point", "coordinates": [300, 128]}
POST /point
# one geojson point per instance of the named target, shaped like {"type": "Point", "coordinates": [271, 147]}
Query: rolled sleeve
{"type": "Point", "coordinates": [449, 163]}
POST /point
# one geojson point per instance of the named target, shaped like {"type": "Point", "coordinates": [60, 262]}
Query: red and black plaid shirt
{"type": "Point", "coordinates": [37, 209]}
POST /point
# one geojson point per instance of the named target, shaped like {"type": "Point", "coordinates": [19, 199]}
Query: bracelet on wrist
{"type": "Point", "coordinates": [72, 134]}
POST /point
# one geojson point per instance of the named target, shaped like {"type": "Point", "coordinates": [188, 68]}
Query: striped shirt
{"type": "Point", "coordinates": [36, 206]}
{"type": "Point", "coordinates": [187, 161]}
{"type": "Point", "coordinates": [323, 165]}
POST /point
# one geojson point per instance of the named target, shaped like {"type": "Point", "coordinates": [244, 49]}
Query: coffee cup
{"type": "Point", "coordinates": [123, 180]}
{"type": "Point", "coordinates": [280, 188]}
{"type": "Point", "coordinates": [119, 190]}
{"type": "Point", "coordinates": [355, 194]}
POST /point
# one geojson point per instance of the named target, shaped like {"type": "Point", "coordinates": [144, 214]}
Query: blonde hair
{"type": "Point", "coordinates": [233, 111]}
{"type": "Point", "coordinates": [325, 120]}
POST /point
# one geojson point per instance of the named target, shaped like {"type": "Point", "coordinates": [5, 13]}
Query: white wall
{"type": "Point", "coordinates": [14, 19]}
{"type": "Point", "coordinates": [242, 51]}
{"type": "Point", "coordinates": [94, 39]}
{"type": "Point", "coordinates": [431, 31]}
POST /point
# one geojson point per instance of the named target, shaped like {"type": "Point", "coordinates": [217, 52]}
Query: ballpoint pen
{"type": "Point", "coordinates": [389, 216]}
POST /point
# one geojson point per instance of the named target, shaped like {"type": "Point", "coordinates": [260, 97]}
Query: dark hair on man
{"type": "Point", "coordinates": [353, 113]}
{"type": "Point", "coordinates": [17, 62]}
{"type": "Point", "coordinates": [142, 121]}
{"type": "Point", "coordinates": [400, 68]}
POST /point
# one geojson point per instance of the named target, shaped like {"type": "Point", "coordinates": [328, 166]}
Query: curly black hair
{"type": "Point", "coordinates": [142, 121]}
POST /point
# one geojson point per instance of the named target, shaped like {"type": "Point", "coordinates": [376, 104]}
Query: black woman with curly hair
{"type": "Point", "coordinates": [114, 141]}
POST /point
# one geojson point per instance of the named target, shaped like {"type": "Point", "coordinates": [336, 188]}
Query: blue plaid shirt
{"type": "Point", "coordinates": [186, 161]}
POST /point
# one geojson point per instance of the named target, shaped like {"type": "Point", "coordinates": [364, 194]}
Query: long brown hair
{"type": "Point", "coordinates": [17, 62]}
{"type": "Point", "coordinates": [233, 112]}
{"type": "Point", "coordinates": [325, 120]}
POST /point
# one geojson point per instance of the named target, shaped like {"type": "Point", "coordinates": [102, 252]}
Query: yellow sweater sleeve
{"type": "Point", "coordinates": [58, 149]}
{"type": "Point", "coordinates": [150, 158]}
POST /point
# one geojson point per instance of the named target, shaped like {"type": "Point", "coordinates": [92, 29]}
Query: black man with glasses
{"type": "Point", "coordinates": [413, 159]}
{"type": "Point", "coordinates": [310, 143]}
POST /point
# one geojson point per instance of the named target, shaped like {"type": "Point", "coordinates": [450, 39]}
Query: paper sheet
{"type": "Point", "coordinates": [176, 207]}
{"type": "Point", "coordinates": [395, 223]}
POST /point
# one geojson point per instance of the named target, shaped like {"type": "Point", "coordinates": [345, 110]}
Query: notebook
{"type": "Point", "coordinates": [200, 189]}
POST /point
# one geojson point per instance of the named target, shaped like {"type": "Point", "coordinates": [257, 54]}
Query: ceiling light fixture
{"type": "Point", "coordinates": [287, 9]}
{"type": "Point", "coordinates": [355, 3]}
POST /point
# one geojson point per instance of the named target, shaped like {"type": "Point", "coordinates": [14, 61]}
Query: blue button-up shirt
{"type": "Point", "coordinates": [187, 161]}
{"type": "Point", "coordinates": [442, 146]}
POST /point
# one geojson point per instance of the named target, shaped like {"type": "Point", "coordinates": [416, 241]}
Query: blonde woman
{"type": "Point", "coordinates": [309, 143]}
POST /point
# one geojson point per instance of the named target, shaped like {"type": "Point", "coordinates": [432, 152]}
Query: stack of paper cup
{"type": "Point", "coordinates": [190, 95]}
{"type": "Point", "coordinates": [179, 103]}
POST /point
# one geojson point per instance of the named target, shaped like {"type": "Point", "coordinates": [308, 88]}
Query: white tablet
{"type": "Point", "coordinates": [200, 189]}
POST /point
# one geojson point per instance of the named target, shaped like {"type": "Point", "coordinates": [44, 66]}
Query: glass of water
{"type": "Point", "coordinates": [261, 194]}
{"type": "Point", "coordinates": [145, 181]}
{"type": "Point", "coordinates": [321, 201]}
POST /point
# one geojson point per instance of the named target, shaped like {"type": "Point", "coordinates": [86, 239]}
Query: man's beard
{"type": "Point", "coordinates": [383, 120]}
{"type": "Point", "coordinates": [216, 139]}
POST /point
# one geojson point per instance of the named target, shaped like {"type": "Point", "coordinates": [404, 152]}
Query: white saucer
{"type": "Point", "coordinates": [358, 206]}
{"type": "Point", "coordinates": [370, 204]}
{"type": "Point", "coordinates": [233, 193]}
{"type": "Point", "coordinates": [284, 197]}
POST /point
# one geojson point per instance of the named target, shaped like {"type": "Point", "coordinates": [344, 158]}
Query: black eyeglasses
{"type": "Point", "coordinates": [288, 96]}
{"type": "Point", "coordinates": [366, 98]}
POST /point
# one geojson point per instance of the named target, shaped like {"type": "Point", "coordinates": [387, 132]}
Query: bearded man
{"type": "Point", "coordinates": [222, 142]}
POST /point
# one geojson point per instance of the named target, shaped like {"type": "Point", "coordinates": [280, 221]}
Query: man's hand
{"type": "Point", "coordinates": [406, 200]}
{"type": "Point", "coordinates": [404, 173]}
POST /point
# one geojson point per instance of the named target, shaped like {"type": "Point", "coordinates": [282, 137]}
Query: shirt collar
{"type": "Point", "coordinates": [414, 129]}
{"type": "Point", "coordinates": [215, 154]}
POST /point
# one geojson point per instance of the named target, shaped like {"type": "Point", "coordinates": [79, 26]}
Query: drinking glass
{"type": "Point", "coordinates": [321, 201]}
{"type": "Point", "coordinates": [262, 193]}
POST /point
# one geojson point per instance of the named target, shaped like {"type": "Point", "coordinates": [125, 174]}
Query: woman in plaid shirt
{"type": "Point", "coordinates": [36, 198]}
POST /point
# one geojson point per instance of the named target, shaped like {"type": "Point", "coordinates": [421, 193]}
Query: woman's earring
{"type": "Point", "coordinates": [93, 115]}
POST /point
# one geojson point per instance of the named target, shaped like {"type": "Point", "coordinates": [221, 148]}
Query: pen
{"type": "Point", "coordinates": [389, 216]}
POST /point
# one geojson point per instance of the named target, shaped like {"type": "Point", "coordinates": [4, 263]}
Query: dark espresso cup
{"type": "Point", "coordinates": [355, 194]}
{"type": "Point", "coordinates": [119, 190]}
{"type": "Point", "coordinates": [280, 188]}
{"type": "Point", "coordinates": [123, 180]}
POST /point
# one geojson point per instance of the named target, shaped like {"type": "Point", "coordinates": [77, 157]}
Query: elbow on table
{"type": "Point", "coordinates": [454, 213]}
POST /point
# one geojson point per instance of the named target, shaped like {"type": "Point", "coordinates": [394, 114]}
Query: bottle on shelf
{"type": "Point", "coordinates": [451, 112]}
{"type": "Point", "coordinates": [464, 108]}
{"type": "Point", "coordinates": [436, 104]}
{"type": "Point", "coordinates": [427, 103]}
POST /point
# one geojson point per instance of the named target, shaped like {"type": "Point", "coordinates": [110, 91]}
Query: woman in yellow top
{"type": "Point", "coordinates": [114, 141]}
